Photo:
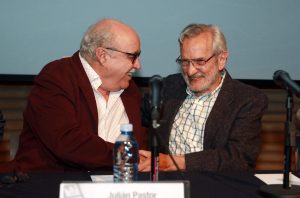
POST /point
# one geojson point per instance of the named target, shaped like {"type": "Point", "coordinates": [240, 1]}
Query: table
{"type": "Point", "coordinates": [202, 184]}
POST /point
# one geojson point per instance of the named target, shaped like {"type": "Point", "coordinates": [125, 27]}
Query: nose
{"type": "Point", "coordinates": [190, 69]}
{"type": "Point", "coordinates": [137, 63]}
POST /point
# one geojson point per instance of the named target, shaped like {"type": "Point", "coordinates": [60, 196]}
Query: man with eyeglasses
{"type": "Point", "coordinates": [209, 122]}
{"type": "Point", "coordinates": [77, 104]}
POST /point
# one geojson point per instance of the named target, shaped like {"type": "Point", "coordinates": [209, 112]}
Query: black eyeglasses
{"type": "Point", "coordinates": [197, 62]}
{"type": "Point", "coordinates": [132, 56]}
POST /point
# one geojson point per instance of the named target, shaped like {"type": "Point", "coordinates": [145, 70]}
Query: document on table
{"type": "Point", "coordinates": [277, 178]}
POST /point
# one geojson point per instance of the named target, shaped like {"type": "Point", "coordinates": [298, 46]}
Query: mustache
{"type": "Point", "coordinates": [197, 75]}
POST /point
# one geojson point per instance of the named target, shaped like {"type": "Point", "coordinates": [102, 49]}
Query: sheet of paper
{"type": "Point", "coordinates": [102, 178]}
{"type": "Point", "coordinates": [277, 178]}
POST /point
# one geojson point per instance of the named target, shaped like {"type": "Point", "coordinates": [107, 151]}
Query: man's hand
{"type": "Point", "coordinates": [165, 162]}
{"type": "Point", "coordinates": [145, 161]}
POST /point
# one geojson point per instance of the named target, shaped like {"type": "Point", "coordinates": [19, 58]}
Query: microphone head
{"type": "Point", "coordinates": [283, 79]}
{"type": "Point", "coordinates": [277, 76]}
{"type": "Point", "coordinates": [155, 78]}
{"type": "Point", "coordinates": [155, 83]}
{"type": "Point", "coordinates": [280, 78]}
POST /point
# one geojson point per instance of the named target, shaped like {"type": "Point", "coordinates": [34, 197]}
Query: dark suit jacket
{"type": "Point", "coordinates": [60, 130]}
{"type": "Point", "coordinates": [232, 131]}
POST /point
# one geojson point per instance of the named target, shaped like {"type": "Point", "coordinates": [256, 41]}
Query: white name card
{"type": "Point", "coordinates": [124, 190]}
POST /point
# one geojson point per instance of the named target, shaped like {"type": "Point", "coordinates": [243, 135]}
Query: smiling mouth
{"type": "Point", "coordinates": [130, 73]}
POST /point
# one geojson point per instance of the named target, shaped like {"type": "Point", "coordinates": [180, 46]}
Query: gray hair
{"type": "Point", "coordinates": [193, 30]}
{"type": "Point", "coordinates": [93, 38]}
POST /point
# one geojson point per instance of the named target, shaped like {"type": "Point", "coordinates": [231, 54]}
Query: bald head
{"type": "Point", "coordinates": [107, 33]}
{"type": "Point", "coordinates": [115, 26]}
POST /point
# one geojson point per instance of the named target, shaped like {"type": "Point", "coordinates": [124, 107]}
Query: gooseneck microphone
{"type": "Point", "coordinates": [283, 79]}
{"type": "Point", "coordinates": [155, 84]}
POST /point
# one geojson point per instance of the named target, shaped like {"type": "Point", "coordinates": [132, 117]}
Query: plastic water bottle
{"type": "Point", "coordinates": [125, 156]}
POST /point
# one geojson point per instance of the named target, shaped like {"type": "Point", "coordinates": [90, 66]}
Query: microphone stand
{"type": "Point", "coordinates": [285, 190]}
{"type": "Point", "coordinates": [154, 145]}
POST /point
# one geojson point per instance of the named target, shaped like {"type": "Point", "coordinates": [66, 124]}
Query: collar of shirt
{"type": "Point", "coordinates": [207, 95]}
{"type": "Point", "coordinates": [94, 78]}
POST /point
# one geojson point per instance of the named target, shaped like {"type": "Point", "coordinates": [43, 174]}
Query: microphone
{"type": "Point", "coordinates": [283, 79]}
{"type": "Point", "coordinates": [155, 86]}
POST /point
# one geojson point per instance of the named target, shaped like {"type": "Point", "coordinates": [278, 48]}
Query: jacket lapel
{"type": "Point", "coordinates": [217, 116]}
{"type": "Point", "coordinates": [85, 87]}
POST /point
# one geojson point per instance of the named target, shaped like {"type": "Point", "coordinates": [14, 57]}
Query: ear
{"type": "Point", "coordinates": [222, 60]}
{"type": "Point", "coordinates": [101, 55]}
